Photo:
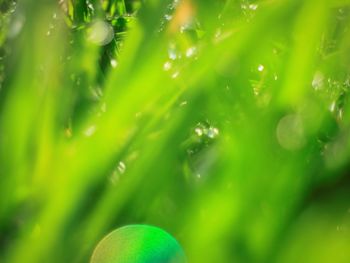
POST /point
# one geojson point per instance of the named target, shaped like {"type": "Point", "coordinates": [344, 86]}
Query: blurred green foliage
{"type": "Point", "coordinates": [224, 122]}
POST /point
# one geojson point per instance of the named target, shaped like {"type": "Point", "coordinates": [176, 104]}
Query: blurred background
{"type": "Point", "coordinates": [225, 123]}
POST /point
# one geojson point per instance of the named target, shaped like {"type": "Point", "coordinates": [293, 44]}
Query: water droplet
{"type": "Point", "coordinates": [198, 131]}
{"type": "Point", "coordinates": [212, 132]}
{"type": "Point", "coordinates": [16, 25]}
{"type": "Point", "coordinates": [96, 92]}
{"type": "Point", "coordinates": [90, 6]}
{"type": "Point", "coordinates": [172, 54]}
{"type": "Point", "coordinates": [218, 33]}
{"type": "Point", "coordinates": [183, 103]}
{"type": "Point", "coordinates": [100, 33]}
{"type": "Point", "coordinates": [175, 74]}
{"type": "Point", "coordinates": [168, 17]}
{"type": "Point", "coordinates": [244, 6]}
{"type": "Point", "coordinates": [340, 114]}
{"type": "Point", "coordinates": [205, 129]}
{"type": "Point", "coordinates": [191, 51]}
{"type": "Point", "coordinates": [167, 66]}
{"type": "Point", "coordinates": [117, 172]}
{"type": "Point", "coordinates": [332, 106]}
{"type": "Point", "coordinates": [121, 167]}
{"type": "Point", "coordinates": [114, 63]}
{"type": "Point", "coordinates": [290, 132]}
{"type": "Point", "coordinates": [90, 131]}
{"type": "Point", "coordinates": [185, 27]}
{"type": "Point", "coordinates": [261, 68]}
{"type": "Point", "coordinates": [256, 90]}
{"type": "Point", "coordinates": [335, 153]}
{"type": "Point", "coordinates": [318, 81]}
{"type": "Point", "coordinates": [253, 6]}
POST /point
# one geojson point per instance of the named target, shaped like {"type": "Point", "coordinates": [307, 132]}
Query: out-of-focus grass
{"type": "Point", "coordinates": [226, 123]}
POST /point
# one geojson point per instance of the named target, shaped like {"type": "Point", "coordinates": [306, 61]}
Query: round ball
{"type": "Point", "coordinates": [138, 244]}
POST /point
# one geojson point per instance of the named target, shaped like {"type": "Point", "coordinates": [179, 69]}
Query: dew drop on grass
{"type": "Point", "coordinates": [198, 131]}
{"type": "Point", "coordinates": [16, 25]}
{"type": "Point", "coordinates": [183, 103]}
{"type": "Point", "coordinates": [201, 153]}
{"type": "Point", "coordinates": [318, 81]}
{"type": "Point", "coordinates": [248, 9]}
{"type": "Point", "coordinates": [114, 63]}
{"type": "Point", "coordinates": [218, 34]}
{"type": "Point", "coordinates": [335, 153]}
{"type": "Point", "coordinates": [256, 90]}
{"type": "Point", "coordinates": [204, 129]}
{"type": "Point", "coordinates": [332, 106]}
{"type": "Point", "coordinates": [340, 114]}
{"type": "Point", "coordinates": [212, 132]}
{"type": "Point", "coordinates": [261, 68]}
{"type": "Point", "coordinates": [191, 51]}
{"type": "Point", "coordinates": [253, 6]}
{"type": "Point", "coordinates": [117, 172]}
{"type": "Point", "coordinates": [184, 27]}
{"type": "Point", "coordinates": [167, 66]}
{"type": "Point", "coordinates": [175, 74]}
{"type": "Point", "coordinates": [168, 17]}
{"type": "Point", "coordinates": [90, 131]}
{"type": "Point", "coordinates": [100, 33]}
{"type": "Point", "coordinates": [290, 132]}
{"type": "Point", "coordinates": [121, 167]}
{"type": "Point", "coordinates": [90, 6]}
{"type": "Point", "coordinates": [172, 54]}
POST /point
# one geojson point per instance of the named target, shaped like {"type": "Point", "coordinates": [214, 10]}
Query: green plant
{"type": "Point", "coordinates": [223, 122]}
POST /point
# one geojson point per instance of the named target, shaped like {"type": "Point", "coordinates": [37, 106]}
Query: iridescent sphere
{"type": "Point", "coordinates": [138, 244]}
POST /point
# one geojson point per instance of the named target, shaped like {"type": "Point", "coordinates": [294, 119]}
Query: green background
{"type": "Point", "coordinates": [224, 122]}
